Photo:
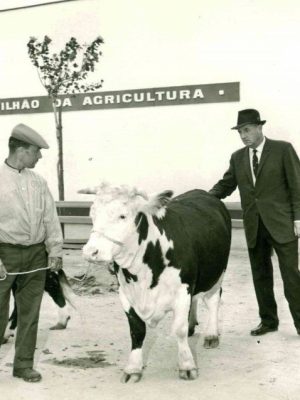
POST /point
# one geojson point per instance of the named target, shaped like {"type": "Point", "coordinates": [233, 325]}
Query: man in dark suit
{"type": "Point", "coordinates": [267, 174]}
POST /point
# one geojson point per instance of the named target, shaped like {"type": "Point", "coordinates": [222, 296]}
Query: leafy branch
{"type": "Point", "coordinates": [61, 73]}
{"type": "Point", "coordinates": [66, 71]}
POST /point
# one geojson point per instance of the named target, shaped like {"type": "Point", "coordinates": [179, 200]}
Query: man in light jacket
{"type": "Point", "coordinates": [30, 241]}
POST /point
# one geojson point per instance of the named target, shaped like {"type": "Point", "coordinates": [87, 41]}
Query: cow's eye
{"type": "Point", "coordinates": [122, 216]}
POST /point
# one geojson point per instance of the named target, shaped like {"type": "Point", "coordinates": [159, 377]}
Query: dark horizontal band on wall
{"type": "Point", "coordinates": [73, 213]}
{"type": "Point", "coordinates": [77, 212]}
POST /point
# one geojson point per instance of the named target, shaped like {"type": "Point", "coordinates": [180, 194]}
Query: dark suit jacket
{"type": "Point", "coordinates": [276, 194]}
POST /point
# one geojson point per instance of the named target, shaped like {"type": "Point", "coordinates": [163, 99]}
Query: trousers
{"type": "Point", "coordinates": [28, 296]}
{"type": "Point", "coordinates": [262, 273]}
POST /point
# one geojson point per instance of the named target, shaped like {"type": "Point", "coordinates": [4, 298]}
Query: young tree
{"type": "Point", "coordinates": [62, 73]}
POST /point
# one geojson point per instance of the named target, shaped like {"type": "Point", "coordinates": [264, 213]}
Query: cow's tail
{"type": "Point", "coordinates": [68, 292]}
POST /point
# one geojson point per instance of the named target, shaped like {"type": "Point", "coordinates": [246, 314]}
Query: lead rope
{"type": "Point", "coordinates": [4, 273]}
{"type": "Point", "coordinates": [84, 275]}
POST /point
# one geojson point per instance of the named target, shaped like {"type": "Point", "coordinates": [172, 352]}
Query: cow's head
{"type": "Point", "coordinates": [117, 214]}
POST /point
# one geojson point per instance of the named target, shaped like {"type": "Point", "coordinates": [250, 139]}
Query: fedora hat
{"type": "Point", "coordinates": [248, 116]}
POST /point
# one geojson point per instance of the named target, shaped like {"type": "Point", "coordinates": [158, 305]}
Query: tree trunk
{"type": "Point", "coordinates": [60, 161]}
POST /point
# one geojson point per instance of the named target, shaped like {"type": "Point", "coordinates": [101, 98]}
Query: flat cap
{"type": "Point", "coordinates": [28, 135]}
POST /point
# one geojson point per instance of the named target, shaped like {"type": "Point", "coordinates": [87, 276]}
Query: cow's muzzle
{"type": "Point", "coordinates": [92, 250]}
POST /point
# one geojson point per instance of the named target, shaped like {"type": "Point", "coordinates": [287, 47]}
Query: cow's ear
{"type": "Point", "coordinates": [159, 201]}
{"type": "Point", "coordinates": [164, 197]}
{"type": "Point", "coordinates": [88, 190]}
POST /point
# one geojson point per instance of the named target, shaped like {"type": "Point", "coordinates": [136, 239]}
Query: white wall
{"type": "Point", "coordinates": [151, 44]}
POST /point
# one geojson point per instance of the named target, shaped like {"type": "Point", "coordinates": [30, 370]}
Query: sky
{"type": "Point", "coordinates": [158, 44]}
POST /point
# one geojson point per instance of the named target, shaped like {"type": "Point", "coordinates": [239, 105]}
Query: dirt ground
{"type": "Point", "coordinates": [85, 361]}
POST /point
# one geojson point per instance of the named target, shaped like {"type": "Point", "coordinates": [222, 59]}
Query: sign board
{"type": "Point", "coordinates": [153, 97]}
{"type": "Point", "coordinates": [21, 4]}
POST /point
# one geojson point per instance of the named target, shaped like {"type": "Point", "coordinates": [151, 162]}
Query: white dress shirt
{"type": "Point", "coordinates": [258, 154]}
{"type": "Point", "coordinates": [27, 211]}
{"type": "Point", "coordinates": [259, 150]}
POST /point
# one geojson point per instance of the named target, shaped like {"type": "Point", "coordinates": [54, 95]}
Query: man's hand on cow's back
{"type": "Point", "coordinates": [2, 271]}
{"type": "Point", "coordinates": [297, 228]}
{"type": "Point", "coordinates": [55, 263]}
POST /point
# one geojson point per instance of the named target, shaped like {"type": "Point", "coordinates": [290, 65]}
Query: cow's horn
{"type": "Point", "coordinates": [142, 194]}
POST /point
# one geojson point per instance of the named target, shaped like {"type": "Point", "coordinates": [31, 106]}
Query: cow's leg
{"type": "Point", "coordinates": [12, 324]}
{"type": "Point", "coordinates": [55, 287]}
{"type": "Point", "coordinates": [134, 368]}
{"type": "Point", "coordinates": [13, 319]}
{"type": "Point", "coordinates": [7, 334]}
{"type": "Point", "coordinates": [180, 326]}
{"type": "Point", "coordinates": [212, 300]}
{"type": "Point", "coordinates": [63, 318]}
{"type": "Point", "coordinates": [193, 321]}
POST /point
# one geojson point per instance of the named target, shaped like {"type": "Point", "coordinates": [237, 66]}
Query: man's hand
{"type": "Point", "coordinates": [2, 271]}
{"type": "Point", "coordinates": [297, 228]}
{"type": "Point", "coordinates": [55, 263]}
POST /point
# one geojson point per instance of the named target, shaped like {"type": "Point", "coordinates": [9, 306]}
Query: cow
{"type": "Point", "coordinates": [165, 252]}
{"type": "Point", "coordinates": [59, 289]}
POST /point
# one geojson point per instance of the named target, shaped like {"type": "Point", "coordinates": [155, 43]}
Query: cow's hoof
{"type": "Point", "coordinates": [4, 340]}
{"type": "Point", "coordinates": [60, 325]}
{"type": "Point", "coordinates": [188, 375]}
{"type": "Point", "coordinates": [211, 342]}
{"type": "Point", "coordinates": [7, 336]}
{"type": "Point", "coordinates": [191, 331]}
{"type": "Point", "coordinates": [133, 378]}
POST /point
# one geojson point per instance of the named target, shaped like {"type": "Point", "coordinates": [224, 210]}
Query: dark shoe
{"type": "Point", "coordinates": [28, 374]}
{"type": "Point", "coordinates": [263, 329]}
{"type": "Point", "coordinates": [298, 331]}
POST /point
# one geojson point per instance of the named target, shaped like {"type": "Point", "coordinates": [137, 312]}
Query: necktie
{"type": "Point", "coordinates": [255, 163]}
